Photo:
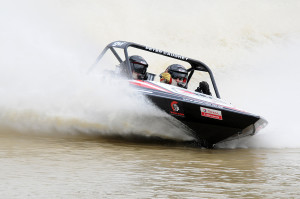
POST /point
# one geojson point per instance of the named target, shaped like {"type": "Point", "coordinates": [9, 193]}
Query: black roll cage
{"type": "Point", "coordinates": [195, 64]}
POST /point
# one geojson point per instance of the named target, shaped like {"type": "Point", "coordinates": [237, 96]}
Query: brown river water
{"type": "Point", "coordinates": [83, 167]}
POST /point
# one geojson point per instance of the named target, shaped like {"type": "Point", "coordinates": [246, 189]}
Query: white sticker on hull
{"type": "Point", "coordinates": [211, 113]}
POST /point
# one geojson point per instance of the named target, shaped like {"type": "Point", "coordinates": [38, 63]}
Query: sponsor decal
{"type": "Point", "coordinates": [118, 43]}
{"type": "Point", "coordinates": [176, 110]}
{"type": "Point", "coordinates": [174, 106]}
{"type": "Point", "coordinates": [166, 53]}
{"type": "Point", "coordinates": [211, 113]}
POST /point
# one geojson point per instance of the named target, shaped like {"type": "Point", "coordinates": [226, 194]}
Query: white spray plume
{"type": "Point", "coordinates": [268, 84]}
{"type": "Point", "coordinates": [45, 88]}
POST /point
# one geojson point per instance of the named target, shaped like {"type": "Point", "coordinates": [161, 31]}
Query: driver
{"type": "Point", "coordinates": [175, 74]}
{"type": "Point", "coordinates": [139, 67]}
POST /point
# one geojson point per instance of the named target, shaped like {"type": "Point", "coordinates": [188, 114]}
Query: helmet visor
{"type": "Point", "coordinates": [181, 76]}
{"type": "Point", "coordinates": [139, 68]}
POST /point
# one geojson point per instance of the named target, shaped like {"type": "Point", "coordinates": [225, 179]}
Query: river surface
{"type": "Point", "coordinates": [83, 167]}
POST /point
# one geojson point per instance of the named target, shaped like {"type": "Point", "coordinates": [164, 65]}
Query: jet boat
{"type": "Point", "coordinates": [210, 119]}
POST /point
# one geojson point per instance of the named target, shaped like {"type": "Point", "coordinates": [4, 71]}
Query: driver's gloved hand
{"type": "Point", "coordinates": [203, 88]}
